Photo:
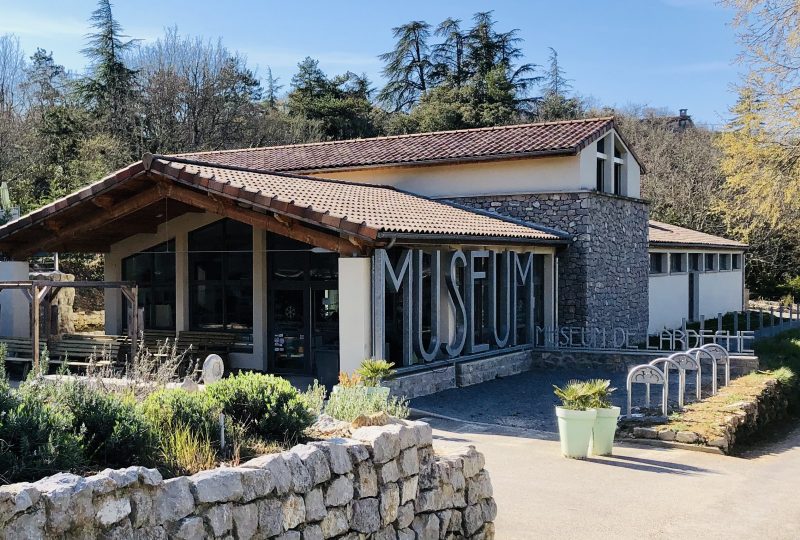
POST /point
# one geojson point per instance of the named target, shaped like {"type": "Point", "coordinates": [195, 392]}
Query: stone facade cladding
{"type": "Point", "coordinates": [385, 482]}
{"type": "Point", "coordinates": [603, 273]}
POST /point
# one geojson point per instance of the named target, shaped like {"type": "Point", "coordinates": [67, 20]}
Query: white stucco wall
{"type": "Point", "coordinates": [355, 312]}
{"type": "Point", "coordinates": [718, 292]}
{"type": "Point", "coordinates": [473, 179]}
{"type": "Point", "coordinates": [14, 306]}
{"type": "Point", "coordinates": [669, 300]}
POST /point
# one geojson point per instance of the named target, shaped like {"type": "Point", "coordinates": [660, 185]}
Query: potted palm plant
{"type": "Point", "coordinates": [605, 424]}
{"type": "Point", "coordinates": [575, 418]}
{"type": "Point", "coordinates": [373, 373]}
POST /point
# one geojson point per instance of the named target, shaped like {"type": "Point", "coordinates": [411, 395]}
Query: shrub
{"type": "Point", "coordinates": [113, 430]}
{"type": "Point", "coordinates": [314, 397]}
{"type": "Point", "coordinates": [36, 439]}
{"type": "Point", "coordinates": [349, 403]}
{"type": "Point", "coordinates": [372, 371]}
{"type": "Point", "coordinates": [348, 381]}
{"type": "Point", "coordinates": [166, 409]}
{"type": "Point", "coordinates": [269, 406]}
{"type": "Point", "coordinates": [185, 451]}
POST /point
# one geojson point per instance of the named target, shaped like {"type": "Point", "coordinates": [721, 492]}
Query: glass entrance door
{"type": "Point", "coordinates": [289, 331]}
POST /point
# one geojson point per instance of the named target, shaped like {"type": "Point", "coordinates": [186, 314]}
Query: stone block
{"type": "Point", "coordinates": [289, 535]}
{"type": "Point", "coordinates": [112, 510]}
{"type": "Point", "coordinates": [338, 457]}
{"type": "Point", "coordinates": [423, 434]}
{"type": "Point", "coordinates": [645, 433]}
{"type": "Point", "coordinates": [278, 468]}
{"type": "Point", "coordinates": [245, 520]}
{"type": "Point", "coordinates": [366, 515]}
{"type": "Point", "coordinates": [219, 518]}
{"type": "Point", "coordinates": [390, 502]}
{"type": "Point", "coordinates": [142, 508]}
{"type": "Point", "coordinates": [68, 499]}
{"type": "Point", "coordinates": [406, 534]}
{"type": "Point", "coordinates": [315, 461]}
{"type": "Point", "coordinates": [312, 532]}
{"type": "Point", "coordinates": [336, 522]}
{"type": "Point", "coordinates": [426, 527]}
{"type": "Point", "coordinates": [270, 517]}
{"type": "Point", "coordinates": [189, 528]}
{"type": "Point", "coordinates": [173, 500]}
{"type": "Point", "coordinates": [408, 489]}
{"type": "Point", "coordinates": [687, 437]}
{"type": "Point", "coordinates": [473, 462]}
{"type": "Point", "coordinates": [339, 492]}
{"type": "Point", "coordinates": [408, 462]}
{"type": "Point", "coordinates": [666, 435]}
{"type": "Point", "coordinates": [223, 484]}
{"type": "Point", "coordinates": [385, 441]}
{"type": "Point", "coordinates": [389, 472]}
{"type": "Point", "coordinates": [301, 479]}
{"type": "Point", "coordinates": [387, 533]}
{"type": "Point", "coordinates": [479, 487]}
{"type": "Point", "coordinates": [256, 483]}
{"type": "Point", "coordinates": [16, 498]}
{"type": "Point", "coordinates": [405, 515]}
{"type": "Point", "coordinates": [27, 525]}
{"type": "Point", "coordinates": [366, 480]}
{"type": "Point", "coordinates": [293, 509]}
{"type": "Point", "coordinates": [315, 505]}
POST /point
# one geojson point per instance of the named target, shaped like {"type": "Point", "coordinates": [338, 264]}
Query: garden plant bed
{"type": "Point", "coordinates": [739, 411]}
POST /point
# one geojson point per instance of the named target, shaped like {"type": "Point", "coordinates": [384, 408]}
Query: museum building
{"type": "Point", "coordinates": [424, 249]}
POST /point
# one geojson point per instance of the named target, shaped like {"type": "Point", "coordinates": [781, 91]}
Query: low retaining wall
{"type": "Point", "coordinates": [467, 373]}
{"type": "Point", "coordinates": [737, 413]}
{"type": "Point", "coordinates": [384, 481]}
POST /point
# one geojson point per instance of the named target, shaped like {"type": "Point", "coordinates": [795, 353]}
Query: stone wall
{"type": "Point", "coordinates": [603, 273]}
{"type": "Point", "coordinates": [385, 482]}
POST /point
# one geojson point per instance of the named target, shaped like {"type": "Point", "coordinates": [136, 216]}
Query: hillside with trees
{"type": "Point", "coordinates": [60, 130]}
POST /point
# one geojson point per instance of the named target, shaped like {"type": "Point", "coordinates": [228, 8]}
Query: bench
{"type": "Point", "coordinates": [204, 343]}
{"type": "Point", "coordinates": [19, 350]}
{"type": "Point", "coordinates": [77, 350]}
{"type": "Point", "coordinates": [154, 339]}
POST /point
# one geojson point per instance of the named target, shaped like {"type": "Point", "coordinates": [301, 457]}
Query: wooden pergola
{"type": "Point", "coordinates": [40, 292]}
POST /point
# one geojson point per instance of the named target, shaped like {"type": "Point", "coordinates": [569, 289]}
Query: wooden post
{"type": "Point", "coordinates": [736, 322]}
{"type": "Point", "coordinates": [760, 318]}
{"type": "Point", "coordinates": [747, 320]}
{"type": "Point", "coordinates": [35, 326]}
{"type": "Point", "coordinates": [772, 316]}
{"type": "Point", "coordinates": [780, 314]}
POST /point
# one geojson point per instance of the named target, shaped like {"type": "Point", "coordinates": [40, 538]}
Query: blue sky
{"type": "Point", "coordinates": [662, 53]}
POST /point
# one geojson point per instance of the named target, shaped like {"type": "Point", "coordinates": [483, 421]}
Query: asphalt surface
{"type": "Point", "coordinates": [639, 493]}
{"type": "Point", "coordinates": [524, 401]}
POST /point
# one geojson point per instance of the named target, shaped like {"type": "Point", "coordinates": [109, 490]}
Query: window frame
{"type": "Point", "coordinates": [736, 261]}
{"type": "Point", "coordinates": [715, 265]}
{"type": "Point", "coordinates": [683, 265]}
{"type": "Point", "coordinates": [664, 267]}
{"type": "Point", "coordinates": [725, 257]}
{"type": "Point", "coordinates": [144, 287]}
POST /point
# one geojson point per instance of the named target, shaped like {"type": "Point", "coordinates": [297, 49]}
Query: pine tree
{"type": "Point", "coordinates": [408, 66]}
{"type": "Point", "coordinates": [555, 103]}
{"type": "Point", "coordinates": [109, 89]}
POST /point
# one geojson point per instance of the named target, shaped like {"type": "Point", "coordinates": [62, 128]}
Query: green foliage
{"type": "Point", "coordinates": [168, 408]}
{"type": "Point", "coordinates": [36, 438]}
{"type": "Point", "coordinates": [270, 406]}
{"type": "Point", "coordinates": [575, 395]}
{"type": "Point", "coordinates": [314, 397]}
{"type": "Point", "coordinates": [349, 403]}
{"type": "Point", "coordinates": [112, 429]}
{"type": "Point", "coordinates": [373, 371]}
{"type": "Point", "coordinates": [600, 391]}
{"type": "Point", "coordinates": [186, 451]}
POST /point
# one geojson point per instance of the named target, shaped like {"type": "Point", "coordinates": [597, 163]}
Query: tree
{"type": "Point", "coordinates": [449, 56]}
{"type": "Point", "coordinates": [556, 104]}
{"type": "Point", "coordinates": [272, 89]}
{"type": "Point", "coordinates": [12, 124]}
{"type": "Point", "coordinates": [109, 88]}
{"type": "Point", "coordinates": [408, 66]}
{"type": "Point", "coordinates": [342, 104]}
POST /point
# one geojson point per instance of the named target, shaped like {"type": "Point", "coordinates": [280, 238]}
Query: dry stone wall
{"type": "Point", "coordinates": [384, 482]}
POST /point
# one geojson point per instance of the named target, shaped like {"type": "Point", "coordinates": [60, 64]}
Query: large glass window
{"type": "Point", "coordinates": [221, 277]}
{"type": "Point", "coordinates": [153, 270]}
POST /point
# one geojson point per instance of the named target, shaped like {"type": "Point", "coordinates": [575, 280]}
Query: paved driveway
{"type": "Point", "coordinates": [641, 492]}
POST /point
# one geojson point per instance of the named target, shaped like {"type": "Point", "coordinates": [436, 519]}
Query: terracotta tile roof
{"type": "Point", "coordinates": [357, 209]}
{"type": "Point", "coordinates": [672, 235]}
{"type": "Point", "coordinates": [548, 138]}
{"type": "Point", "coordinates": [363, 209]}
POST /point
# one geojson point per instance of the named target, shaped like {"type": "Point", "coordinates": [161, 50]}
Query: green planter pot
{"type": "Point", "coordinates": [605, 427]}
{"type": "Point", "coordinates": [575, 431]}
